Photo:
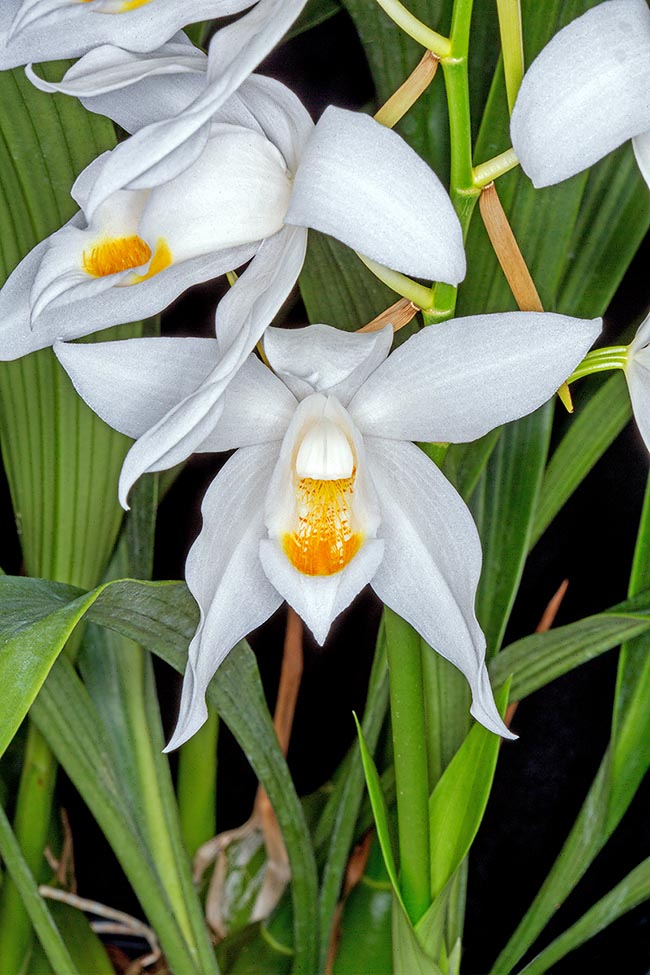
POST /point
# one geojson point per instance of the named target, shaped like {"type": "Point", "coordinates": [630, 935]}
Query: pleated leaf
{"type": "Point", "coordinates": [61, 460]}
{"type": "Point", "coordinates": [162, 618]}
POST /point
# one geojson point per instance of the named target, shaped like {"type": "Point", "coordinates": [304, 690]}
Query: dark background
{"type": "Point", "coordinates": [541, 780]}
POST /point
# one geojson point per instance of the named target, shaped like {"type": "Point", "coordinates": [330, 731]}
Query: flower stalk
{"type": "Point", "coordinates": [601, 360]}
{"type": "Point", "coordinates": [408, 93]}
{"type": "Point", "coordinates": [409, 23]}
{"type": "Point", "coordinates": [486, 173]}
{"type": "Point", "coordinates": [401, 284]}
{"type": "Point", "coordinates": [462, 190]}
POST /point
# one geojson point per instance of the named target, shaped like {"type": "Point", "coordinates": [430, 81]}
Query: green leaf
{"type": "Point", "coordinates": [337, 288]}
{"type": "Point", "coordinates": [89, 760]}
{"type": "Point", "coordinates": [86, 950]}
{"type": "Point", "coordinates": [29, 646]}
{"type": "Point", "coordinates": [538, 659]}
{"type": "Point", "coordinates": [459, 800]}
{"type": "Point", "coordinates": [162, 617]}
{"type": "Point", "coordinates": [380, 813]}
{"type": "Point", "coordinates": [621, 770]}
{"type": "Point", "coordinates": [392, 56]}
{"type": "Point", "coordinates": [316, 12]}
{"type": "Point", "coordinates": [337, 822]}
{"type": "Point", "coordinates": [631, 715]}
{"type": "Point", "coordinates": [409, 957]}
{"type": "Point", "coordinates": [503, 505]}
{"type": "Point", "coordinates": [464, 462]}
{"type": "Point", "coordinates": [632, 891]}
{"type": "Point", "coordinates": [592, 429]}
{"type": "Point", "coordinates": [40, 916]}
{"type": "Point", "coordinates": [68, 516]}
{"type": "Point", "coordinates": [365, 946]}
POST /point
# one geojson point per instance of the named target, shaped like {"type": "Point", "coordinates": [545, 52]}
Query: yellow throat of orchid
{"type": "Point", "coordinates": [117, 254]}
{"type": "Point", "coordinates": [323, 540]}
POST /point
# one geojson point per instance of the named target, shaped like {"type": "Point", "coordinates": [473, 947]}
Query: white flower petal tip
{"type": "Point", "coordinates": [193, 712]}
{"type": "Point", "coordinates": [484, 709]}
{"type": "Point", "coordinates": [362, 183]}
{"type": "Point", "coordinates": [586, 93]}
{"type": "Point", "coordinates": [318, 600]}
{"type": "Point", "coordinates": [641, 145]}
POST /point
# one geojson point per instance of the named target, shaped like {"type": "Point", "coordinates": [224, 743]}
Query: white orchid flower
{"type": "Point", "coordinates": [326, 493]}
{"type": "Point", "coordinates": [44, 30]}
{"type": "Point", "coordinates": [637, 374]}
{"type": "Point", "coordinates": [586, 93]}
{"type": "Point", "coordinates": [142, 248]}
{"type": "Point", "coordinates": [265, 175]}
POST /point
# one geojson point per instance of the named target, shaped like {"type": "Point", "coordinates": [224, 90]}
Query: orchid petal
{"type": "Point", "coordinates": [318, 600]}
{"type": "Point", "coordinates": [225, 577]}
{"type": "Point", "coordinates": [457, 380]}
{"type": "Point", "coordinates": [361, 183]}
{"type": "Point", "coordinates": [134, 90]}
{"type": "Point", "coordinates": [641, 146]}
{"type": "Point", "coordinates": [322, 359]}
{"type": "Point", "coordinates": [277, 112]}
{"type": "Point", "coordinates": [235, 193]}
{"type": "Point", "coordinates": [35, 31]}
{"type": "Point", "coordinates": [159, 152]}
{"type": "Point", "coordinates": [432, 563]}
{"type": "Point", "coordinates": [637, 373]}
{"type": "Point", "coordinates": [586, 93]}
{"type": "Point", "coordinates": [241, 318]}
{"type": "Point", "coordinates": [62, 275]}
{"type": "Point", "coordinates": [114, 306]}
{"type": "Point", "coordinates": [134, 383]}
{"type": "Point", "coordinates": [257, 296]}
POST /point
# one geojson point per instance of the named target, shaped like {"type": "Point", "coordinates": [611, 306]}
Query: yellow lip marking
{"type": "Point", "coordinates": [323, 542]}
{"type": "Point", "coordinates": [161, 259]}
{"type": "Point", "coordinates": [123, 253]}
{"type": "Point", "coordinates": [116, 254]}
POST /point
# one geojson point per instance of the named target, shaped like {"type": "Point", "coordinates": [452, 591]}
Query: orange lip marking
{"type": "Point", "coordinates": [116, 254]}
{"type": "Point", "coordinates": [122, 254]}
{"type": "Point", "coordinates": [323, 542]}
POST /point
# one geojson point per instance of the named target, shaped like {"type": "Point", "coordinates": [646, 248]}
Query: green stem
{"type": "Point", "coordinates": [411, 773]}
{"type": "Point", "coordinates": [31, 826]}
{"type": "Point", "coordinates": [463, 192]}
{"type": "Point", "coordinates": [410, 24]}
{"type": "Point", "coordinates": [512, 46]}
{"type": "Point", "coordinates": [490, 170]}
{"type": "Point", "coordinates": [600, 360]}
{"type": "Point", "coordinates": [197, 784]}
{"type": "Point", "coordinates": [400, 284]}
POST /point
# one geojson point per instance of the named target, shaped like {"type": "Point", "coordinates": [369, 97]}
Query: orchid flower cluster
{"type": "Point", "coordinates": [222, 171]}
{"type": "Point", "coordinates": [325, 493]}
